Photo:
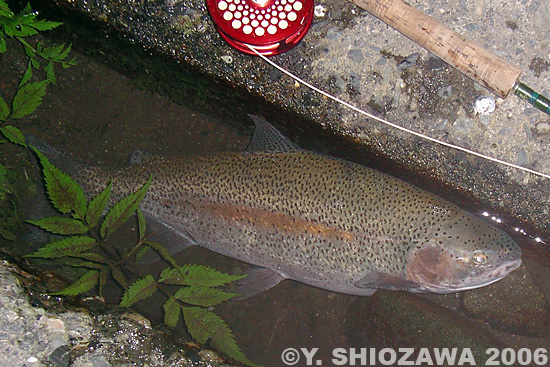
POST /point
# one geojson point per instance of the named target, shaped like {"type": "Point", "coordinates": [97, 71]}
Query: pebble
{"type": "Point", "coordinates": [319, 11]}
{"type": "Point", "coordinates": [227, 59]}
{"type": "Point", "coordinates": [355, 55]}
{"type": "Point", "coordinates": [445, 92]}
{"type": "Point", "coordinates": [209, 356]}
{"type": "Point", "coordinates": [340, 84]}
{"type": "Point", "coordinates": [382, 61]}
{"type": "Point", "coordinates": [386, 74]}
{"type": "Point", "coordinates": [462, 125]}
{"type": "Point", "coordinates": [55, 325]}
{"type": "Point", "coordinates": [409, 62]}
{"type": "Point", "coordinates": [543, 128]}
{"type": "Point", "coordinates": [522, 157]}
{"type": "Point", "coordinates": [485, 119]}
{"type": "Point", "coordinates": [333, 34]}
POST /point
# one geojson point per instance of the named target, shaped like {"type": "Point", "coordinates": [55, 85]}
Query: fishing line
{"type": "Point", "coordinates": [391, 124]}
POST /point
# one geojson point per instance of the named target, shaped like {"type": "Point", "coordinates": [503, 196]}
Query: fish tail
{"type": "Point", "coordinates": [55, 157]}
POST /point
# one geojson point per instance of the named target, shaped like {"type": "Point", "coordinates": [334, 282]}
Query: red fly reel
{"type": "Point", "coordinates": [270, 26]}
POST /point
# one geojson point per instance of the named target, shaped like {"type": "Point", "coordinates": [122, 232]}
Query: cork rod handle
{"type": "Point", "coordinates": [468, 57]}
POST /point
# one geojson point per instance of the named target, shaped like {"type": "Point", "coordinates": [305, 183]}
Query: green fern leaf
{"type": "Point", "coordinates": [201, 296]}
{"type": "Point", "coordinates": [65, 194]}
{"type": "Point", "coordinates": [171, 312]}
{"type": "Point", "coordinates": [141, 253]}
{"type": "Point", "coordinates": [103, 276]}
{"type": "Point", "coordinates": [83, 264]}
{"type": "Point", "coordinates": [7, 235]}
{"type": "Point", "coordinates": [27, 75]}
{"type": "Point", "coordinates": [163, 252]}
{"type": "Point", "coordinates": [28, 98]}
{"type": "Point", "coordinates": [70, 246]}
{"type": "Point", "coordinates": [142, 224]}
{"type": "Point", "coordinates": [55, 53]}
{"type": "Point", "coordinates": [60, 225]}
{"type": "Point", "coordinates": [33, 60]}
{"type": "Point", "coordinates": [197, 275]}
{"type": "Point", "coordinates": [5, 10]}
{"type": "Point", "coordinates": [204, 325]}
{"type": "Point", "coordinates": [2, 46]}
{"type": "Point", "coordinates": [50, 73]}
{"type": "Point", "coordinates": [84, 284]}
{"type": "Point", "coordinates": [139, 290]}
{"type": "Point", "coordinates": [4, 110]}
{"type": "Point", "coordinates": [92, 257]}
{"type": "Point", "coordinates": [44, 25]}
{"type": "Point", "coordinates": [66, 247]}
{"type": "Point", "coordinates": [13, 134]}
{"type": "Point", "coordinates": [97, 206]}
{"type": "Point", "coordinates": [68, 64]}
{"type": "Point", "coordinates": [120, 213]}
{"type": "Point", "coordinates": [119, 276]}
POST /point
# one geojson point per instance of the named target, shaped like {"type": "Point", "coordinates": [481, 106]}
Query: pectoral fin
{"type": "Point", "coordinates": [256, 281]}
{"type": "Point", "coordinates": [384, 281]}
{"type": "Point", "coordinates": [172, 239]}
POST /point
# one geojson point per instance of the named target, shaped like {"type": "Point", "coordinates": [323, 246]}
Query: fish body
{"type": "Point", "coordinates": [319, 220]}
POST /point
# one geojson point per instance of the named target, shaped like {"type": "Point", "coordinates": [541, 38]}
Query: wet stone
{"type": "Point", "coordinates": [514, 305]}
{"type": "Point", "coordinates": [60, 357]}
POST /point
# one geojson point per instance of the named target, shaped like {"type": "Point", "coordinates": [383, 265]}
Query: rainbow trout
{"type": "Point", "coordinates": [319, 220]}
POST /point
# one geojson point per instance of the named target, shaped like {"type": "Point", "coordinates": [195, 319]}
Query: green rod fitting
{"type": "Point", "coordinates": [538, 101]}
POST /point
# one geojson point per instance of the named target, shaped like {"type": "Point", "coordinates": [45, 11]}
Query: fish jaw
{"type": "Point", "coordinates": [441, 270]}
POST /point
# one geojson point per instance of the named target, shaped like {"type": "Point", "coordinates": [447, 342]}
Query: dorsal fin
{"type": "Point", "coordinates": [267, 139]}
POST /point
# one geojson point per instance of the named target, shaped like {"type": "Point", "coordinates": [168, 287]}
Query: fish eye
{"type": "Point", "coordinates": [479, 257]}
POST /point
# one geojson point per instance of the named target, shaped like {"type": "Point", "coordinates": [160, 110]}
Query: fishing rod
{"type": "Point", "coordinates": [274, 26]}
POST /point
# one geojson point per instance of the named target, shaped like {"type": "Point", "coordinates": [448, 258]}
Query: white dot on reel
{"type": "Point", "coordinates": [236, 24]}
{"type": "Point", "coordinates": [228, 16]}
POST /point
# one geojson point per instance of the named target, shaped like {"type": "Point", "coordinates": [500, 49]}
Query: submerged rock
{"type": "Point", "coordinates": [404, 320]}
{"type": "Point", "coordinates": [514, 305]}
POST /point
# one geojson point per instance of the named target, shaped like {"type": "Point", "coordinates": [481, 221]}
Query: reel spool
{"type": "Point", "coordinates": [270, 26]}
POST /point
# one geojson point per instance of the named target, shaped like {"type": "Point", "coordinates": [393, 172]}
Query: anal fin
{"type": "Point", "coordinates": [257, 280]}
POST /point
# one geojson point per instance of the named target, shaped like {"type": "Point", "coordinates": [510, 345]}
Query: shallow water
{"type": "Point", "coordinates": [98, 117]}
